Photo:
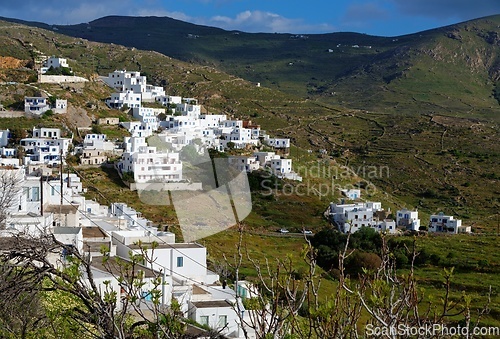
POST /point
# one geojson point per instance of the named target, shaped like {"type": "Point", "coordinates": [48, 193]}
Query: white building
{"type": "Point", "coordinates": [387, 226]}
{"type": "Point", "coordinates": [408, 219]}
{"type": "Point", "coordinates": [185, 262]}
{"type": "Point", "coordinates": [147, 164]}
{"type": "Point", "coordinates": [282, 168]}
{"type": "Point", "coordinates": [45, 151]}
{"type": "Point", "coordinates": [124, 81]}
{"type": "Point", "coordinates": [265, 158]}
{"type": "Point", "coordinates": [211, 121]}
{"type": "Point", "coordinates": [240, 137]}
{"type": "Point", "coordinates": [447, 224]}
{"type": "Point", "coordinates": [278, 143]}
{"type": "Point", "coordinates": [61, 106]}
{"type": "Point", "coordinates": [351, 217]}
{"type": "Point", "coordinates": [243, 163]}
{"type": "Point", "coordinates": [121, 99]}
{"type": "Point", "coordinates": [36, 105]}
{"type": "Point", "coordinates": [352, 194]}
{"type": "Point", "coordinates": [54, 63]}
{"type": "Point", "coordinates": [139, 129]}
{"type": "Point", "coordinates": [187, 109]}
{"type": "Point", "coordinates": [168, 100]}
{"type": "Point", "coordinates": [97, 141]}
{"type": "Point", "coordinates": [48, 133]}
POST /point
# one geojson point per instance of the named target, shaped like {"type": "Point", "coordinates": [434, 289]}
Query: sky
{"type": "Point", "coordinates": [374, 17]}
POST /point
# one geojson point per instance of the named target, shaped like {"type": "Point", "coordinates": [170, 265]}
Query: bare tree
{"type": "Point", "coordinates": [10, 188]}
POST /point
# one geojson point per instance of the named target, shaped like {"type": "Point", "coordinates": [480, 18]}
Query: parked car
{"type": "Point", "coordinates": [283, 230]}
{"type": "Point", "coordinates": [307, 232]}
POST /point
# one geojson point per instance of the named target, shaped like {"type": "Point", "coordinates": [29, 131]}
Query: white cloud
{"type": "Point", "coordinates": [260, 21]}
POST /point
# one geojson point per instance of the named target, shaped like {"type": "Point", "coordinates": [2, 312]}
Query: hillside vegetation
{"type": "Point", "coordinates": [444, 159]}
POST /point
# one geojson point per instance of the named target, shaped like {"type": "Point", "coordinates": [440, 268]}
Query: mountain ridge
{"type": "Point", "coordinates": [351, 65]}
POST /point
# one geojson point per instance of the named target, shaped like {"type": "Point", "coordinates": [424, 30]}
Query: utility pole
{"type": "Point", "coordinates": [61, 188]}
{"type": "Point", "coordinates": [41, 193]}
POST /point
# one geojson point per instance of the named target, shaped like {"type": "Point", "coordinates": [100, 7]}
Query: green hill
{"type": "Point", "coordinates": [450, 70]}
{"type": "Point", "coordinates": [421, 105]}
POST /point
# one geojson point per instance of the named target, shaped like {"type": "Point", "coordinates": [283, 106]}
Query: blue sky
{"type": "Point", "coordinates": [376, 17]}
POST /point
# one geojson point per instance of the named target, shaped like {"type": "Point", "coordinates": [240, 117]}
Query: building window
{"type": "Point", "coordinates": [204, 320]}
{"type": "Point", "coordinates": [222, 321]}
{"type": "Point", "coordinates": [180, 261]}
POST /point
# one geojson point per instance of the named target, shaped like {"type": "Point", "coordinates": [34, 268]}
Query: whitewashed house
{"type": "Point", "coordinates": [282, 168]}
{"type": "Point", "coordinates": [48, 133]}
{"type": "Point", "coordinates": [244, 163]}
{"type": "Point", "coordinates": [211, 121]}
{"type": "Point", "coordinates": [139, 129]}
{"type": "Point", "coordinates": [408, 219]}
{"type": "Point", "coordinates": [351, 217]}
{"type": "Point", "coordinates": [185, 262]}
{"type": "Point", "coordinates": [265, 158]}
{"type": "Point", "coordinates": [124, 99]}
{"type": "Point", "coordinates": [25, 212]}
{"type": "Point", "coordinates": [387, 226]}
{"type": "Point", "coordinates": [54, 63]}
{"type": "Point", "coordinates": [61, 106]}
{"type": "Point", "coordinates": [168, 100]}
{"type": "Point", "coordinates": [97, 141]}
{"type": "Point", "coordinates": [278, 143]}
{"type": "Point", "coordinates": [124, 81]}
{"type": "Point", "coordinates": [36, 105]}
{"type": "Point", "coordinates": [447, 224]}
{"type": "Point", "coordinates": [351, 193]}
{"type": "Point", "coordinates": [240, 137]}
{"type": "Point", "coordinates": [147, 164]}
{"type": "Point", "coordinates": [188, 109]}
{"type": "Point", "coordinates": [96, 149]}
{"type": "Point", "coordinates": [45, 151]}
{"type": "Point", "coordinates": [216, 314]}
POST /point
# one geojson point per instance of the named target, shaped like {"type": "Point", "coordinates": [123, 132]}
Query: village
{"type": "Point", "coordinates": [45, 200]}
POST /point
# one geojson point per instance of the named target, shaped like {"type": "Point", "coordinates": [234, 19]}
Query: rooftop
{"type": "Point", "coordinates": [93, 232]}
{"type": "Point", "coordinates": [165, 245]}
{"type": "Point", "coordinates": [212, 304]}
{"type": "Point", "coordinates": [113, 266]}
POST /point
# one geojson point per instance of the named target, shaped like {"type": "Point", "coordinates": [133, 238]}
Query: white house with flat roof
{"type": "Point", "coordinates": [351, 217]}
{"type": "Point", "coordinates": [408, 219]}
{"type": "Point", "coordinates": [442, 223]}
{"type": "Point", "coordinates": [54, 62]}
{"type": "Point", "coordinates": [147, 164]}
{"type": "Point", "coordinates": [36, 105]}
{"type": "Point", "coordinates": [265, 158]}
{"type": "Point", "coordinates": [61, 106]}
{"type": "Point", "coordinates": [243, 163]}
{"type": "Point", "coordinates": [278, 143]}
{"type": "Point", "coordinates": [351, 193]}
{"type": "Point", "coordinates": [125, 81]}
{"type": "Point", "coordinates": [121, 99]}
{"type": "Point", "coordinates": [44, 132]}
{"type": "Point", "coordinates": [139, 129]}
{"type": "Point", "coordinates": [45, 151]}
{"type": "Point", "coordinates": [240, 137]}
{"type": "Point", "coordinates": [185, 262]}
{"type": "Point", "coordinates": [168, 100]}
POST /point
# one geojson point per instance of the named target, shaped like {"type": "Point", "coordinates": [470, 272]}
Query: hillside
{"type": "Point", "coordinates": [435, 161]}
{"type": "Point", "coordinates": [452, 70]}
